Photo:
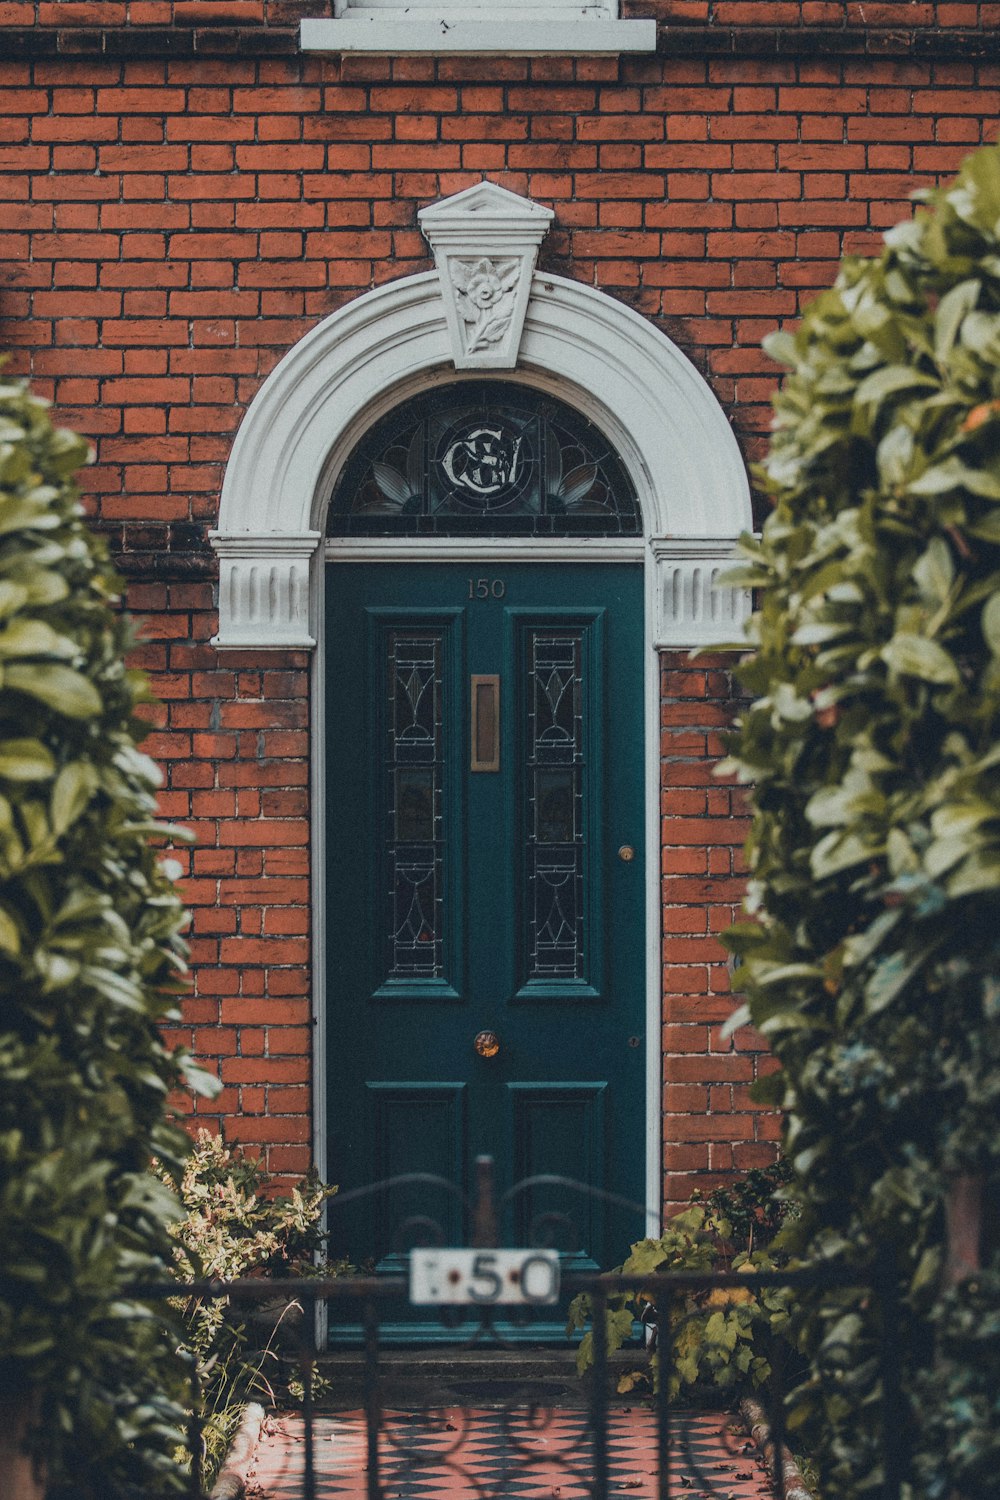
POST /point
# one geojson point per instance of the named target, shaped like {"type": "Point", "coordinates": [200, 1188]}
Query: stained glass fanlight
{"type": "Point", "coordinates": [484, 458]}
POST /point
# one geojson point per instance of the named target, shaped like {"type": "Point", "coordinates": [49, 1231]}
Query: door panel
{"type": "Point", "coordinates": [415, 1127]}
{"type": "Point", "coordinates": [559, 1129]}
{"type": "Point", "coordinates": [485, 764]}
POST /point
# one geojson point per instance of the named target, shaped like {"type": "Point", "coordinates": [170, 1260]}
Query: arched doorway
{"type": "Point", "coordinates": [615, 370]}
{"type": "Point", "coordinates": [485, 849]}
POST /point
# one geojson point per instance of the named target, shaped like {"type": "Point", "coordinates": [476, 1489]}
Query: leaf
{"type": "Point", "coordinates": [890, 978]}
{"type": "Point", "coordinates": [27, 637]}
{"type": "Point", "coordinates": [831, 806]}
{"type": "Point", "coordinates": [952, 819]}
{"type": "Point", "coordinates": [991, 624]}
{"type": "Point", "coordinates": [782, 973]}
{"type": "Point", "coordinates": [838, 852]}
{"type": "Point", "coordinates": [888, 381]}
{"type": "Point", "coordinates": [508, 271]}
{"type": "Point", "coordinates": [934, 571]}
{"type": "Point", "coordinates": [817, 633]}
{"type": "Point", "coordinates": [740, 1017]}
{"type": "Point", "coordinates": [780, 346]}
{"type": "Point", "coordinates": [73, 789]}
{"type": "Point", "coordinates": [27, 514]}
{"type": "Point", "coordinates": [987, 527]}
{"type": "Point", "coordinates": [10, 937]}
{"type": "Point", "coordinates": [951, 310]}
{"type": "Point", "coordinates": [461, 273]}
{"type": "Point", "coordinates": [895, 455]}
{"type": "Point", "coordinates": [915, 656]}
{"type": "Point", "coordinates": [979, 872]}
{"type": "Point", "coordinates": [25, 760]}
{"type": "Point", "coordinates": [944, 853]}
{"type": "Point", "coordinates": [953, 474]}
{"type": "Point", "coordinates": [59, 688]}
{"type": "Point", "coordinates": [620, 1325]}
{"type": "Point", "coordinates": [721, 1331]}
{"type": "Point", "coordinates": [12, 597]}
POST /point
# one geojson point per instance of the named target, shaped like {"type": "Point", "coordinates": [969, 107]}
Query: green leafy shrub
{"type": "Point", "coordinates": [90, 958]}
{"type": "Point", "coordinates": [961, 1394]}
{"type": "Point", "coordinates": [870, 962]}
{"type": "Point", "coordinates": [235, 1225]}
{"type": "Point", "coordinates": [754, 1205]}
{"type": "Point", "coordinates": [721, 1337]}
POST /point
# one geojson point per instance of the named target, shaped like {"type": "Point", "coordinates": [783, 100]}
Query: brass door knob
{"type": "Point", "coordinates": [626, 854]}
{"type": "Point", "coordinates": [487, 1043]}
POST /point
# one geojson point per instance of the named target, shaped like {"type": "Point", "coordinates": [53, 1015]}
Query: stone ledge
{"type": "Point", "coordinates": [533, 36]}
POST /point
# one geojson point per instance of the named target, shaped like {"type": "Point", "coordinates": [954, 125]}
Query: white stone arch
{"type": "Point", "coordinates": [596, 354]}
{"type": "Point", "coordinates": [577, 342]}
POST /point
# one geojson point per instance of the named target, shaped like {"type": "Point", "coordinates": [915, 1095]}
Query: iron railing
{"type": "Point", "coordinates": [396, 1451]}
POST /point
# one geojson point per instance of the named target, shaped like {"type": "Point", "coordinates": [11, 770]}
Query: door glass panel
{"type": "Point", "coordinates": [556, 770]}
{"type": "Point", "coordinates": [484, 458]}
{"type": "Point", "coordinates": [414, 774]}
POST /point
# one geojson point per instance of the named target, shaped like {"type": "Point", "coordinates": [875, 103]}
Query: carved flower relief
{"type": "Point", "coordinates": [485, 292]}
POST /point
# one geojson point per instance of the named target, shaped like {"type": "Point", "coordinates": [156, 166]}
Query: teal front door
{"type": "Point", "coordinates": [485, 918]}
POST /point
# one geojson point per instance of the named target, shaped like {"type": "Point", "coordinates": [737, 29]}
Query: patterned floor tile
{"type": "Point", "coordinates": [484, 1454]}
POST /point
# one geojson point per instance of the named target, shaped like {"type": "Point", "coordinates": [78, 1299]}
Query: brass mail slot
{"type": "Point", "coordinates": [485, 723]}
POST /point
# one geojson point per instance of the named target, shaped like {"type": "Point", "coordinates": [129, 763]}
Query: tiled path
{"type": "Point", "coordinates": [484, 1454]}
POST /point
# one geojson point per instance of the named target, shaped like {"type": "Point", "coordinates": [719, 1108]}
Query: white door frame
{"type": "Point", "coordinates": [590, 351]}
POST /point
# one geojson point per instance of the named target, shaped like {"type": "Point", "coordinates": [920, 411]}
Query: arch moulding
{"type": "Point", "coordinates": [579, 343]}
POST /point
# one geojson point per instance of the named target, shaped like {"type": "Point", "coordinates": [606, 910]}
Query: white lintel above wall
{"type": "Point", "coordinates": [546, 31]}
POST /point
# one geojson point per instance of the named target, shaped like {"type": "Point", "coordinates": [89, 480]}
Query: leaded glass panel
{"type": "Point", "coordinates": [413, 778]}
{"type": "Point", "coordinates": [484, 458]}
{"type": "Point", "coordinates": [555, 787]}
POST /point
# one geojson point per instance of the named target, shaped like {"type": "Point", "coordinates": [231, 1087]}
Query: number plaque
{"type": "Point", "coordinates": [484, 1278]}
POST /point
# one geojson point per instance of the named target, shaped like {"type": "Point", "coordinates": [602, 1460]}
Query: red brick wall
{"type": "Point", "coordinates": [749, 15]}
{"type": "Point", "coordinates": [182, 199]}
{"type": "Point", "coordinates": [710, 1126]}
{"type": "Point", "coordinates": [170, 228]}
{"type": "Point", "coordinates": [232, 735]}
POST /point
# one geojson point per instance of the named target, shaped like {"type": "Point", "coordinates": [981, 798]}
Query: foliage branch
{"type": "Point", "coordinates": [722, 1337]}
{"type": "Point", "coordinates": [871, 958]}
{"type": "Point", "coordinates": [234, 1224]}
{"type": "Point", "coordinates": [91, 957]}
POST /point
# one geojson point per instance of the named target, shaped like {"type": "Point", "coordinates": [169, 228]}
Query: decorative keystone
{"type": "Point", "coordinates": [485, 242]}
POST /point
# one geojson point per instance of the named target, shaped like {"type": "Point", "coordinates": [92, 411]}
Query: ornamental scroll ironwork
{"type": "Point", "coordinates": [484, 458]}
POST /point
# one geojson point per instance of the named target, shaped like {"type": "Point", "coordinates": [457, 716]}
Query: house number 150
{"type": "Point", "coordinates": [487, 588]}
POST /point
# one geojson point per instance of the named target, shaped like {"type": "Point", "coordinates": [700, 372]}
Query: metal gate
{"type": "Point", "coordinates": [483, 1293]}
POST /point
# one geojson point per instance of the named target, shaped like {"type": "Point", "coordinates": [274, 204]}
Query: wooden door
{"type": "Point", "coordinates": [485, 875]}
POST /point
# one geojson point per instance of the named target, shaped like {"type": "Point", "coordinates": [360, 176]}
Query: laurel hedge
{"type": "Point", "coordinates": [91, 956]}
{"type": "Point", "coordinates": [870, 957]}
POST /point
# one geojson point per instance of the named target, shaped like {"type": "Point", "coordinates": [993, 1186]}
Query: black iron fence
{"type": "Point", "coordinates": [488, 1298]}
